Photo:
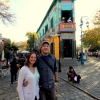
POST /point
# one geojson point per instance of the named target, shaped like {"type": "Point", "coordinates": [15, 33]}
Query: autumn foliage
{"type": "Point", "coordinates": [91, 37]}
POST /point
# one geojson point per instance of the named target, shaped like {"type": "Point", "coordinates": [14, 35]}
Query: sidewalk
{"type": "Point", "coordinates": [90, 75]}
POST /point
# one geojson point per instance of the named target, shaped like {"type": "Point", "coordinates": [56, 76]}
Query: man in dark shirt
{"type": "Point", "coordinates": [48, 73]}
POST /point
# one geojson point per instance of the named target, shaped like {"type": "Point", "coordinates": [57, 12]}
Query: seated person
{"type": "Point", "coordinates": [63, 19]}
{"type": "Point", "coordinates": [72, 76]}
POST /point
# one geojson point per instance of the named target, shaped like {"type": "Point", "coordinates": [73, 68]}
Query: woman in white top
{"type": "Point", "coordinates": [30, 74]}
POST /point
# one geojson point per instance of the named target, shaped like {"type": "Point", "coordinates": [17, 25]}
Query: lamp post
{"type": "Point", "coordinates": [81, 24]}
{"type": "Point", "coordinates": [59, 70]}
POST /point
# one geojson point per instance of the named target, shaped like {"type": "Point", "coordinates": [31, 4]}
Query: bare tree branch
{"type": "Point", "coordinates": [6, 15]}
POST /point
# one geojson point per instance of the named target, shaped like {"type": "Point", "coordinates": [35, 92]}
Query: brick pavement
{"type": "Point", "coordinates": [89, 82]}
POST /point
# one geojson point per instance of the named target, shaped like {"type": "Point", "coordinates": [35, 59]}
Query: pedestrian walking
{"type": "Point", "coordinates": [14, 69]}
{"type": "Point", "coordinates": [96, 54]}
{"type": "Point", "coordinates": [7, 55]}
{"type": "Point", "coordinates": [47, 67]}
{"type": "Point", "coordinates": [29, 74]}
{"type": "Point", "coordinates": [99, 54]}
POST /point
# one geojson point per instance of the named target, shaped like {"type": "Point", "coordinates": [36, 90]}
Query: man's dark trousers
{"type": "Point", "coordinates": [47, 94]}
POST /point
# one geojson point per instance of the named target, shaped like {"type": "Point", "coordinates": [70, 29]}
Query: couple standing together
{"type": "Point", "coordinates": [38, 78]}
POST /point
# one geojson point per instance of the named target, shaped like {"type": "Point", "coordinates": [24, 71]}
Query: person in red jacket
{"type": "Point", "coordinates": [72, 76]}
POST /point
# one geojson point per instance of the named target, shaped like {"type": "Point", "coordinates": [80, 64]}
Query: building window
{"type": "Point", "coordinates": [66, 16]}
{"type": "Point", "coordinates": [51, 22]}
{"type": "Point", "coordinates": [40, 34]}
{"type": "Point", "coordinates": [46, 28]}
{"type": "Point", "coordinates": [52, 48]}
{"type": "Point", "coordinates": [43, 31]}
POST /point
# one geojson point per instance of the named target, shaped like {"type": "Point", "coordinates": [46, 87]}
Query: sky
{"type": "Point", "coordinates": [30, 14]}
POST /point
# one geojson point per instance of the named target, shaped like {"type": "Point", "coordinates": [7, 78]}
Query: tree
{"type": "Point", "coordinates": [22, 45]}
{"type": "Point", "coordinates": [10, 45]}
{"type": "Point", "coordinates": [5, 14]}
{"type": "Point", "coordinates": [91, 37]}
{"type": "Point", "coordinates": [7, 43]}
{"type": "Point", "coordinates": [96, 19]}
{"type": "Point", "coordinates": [14, 47]}
{"type": "Point", "coordinates": [32, 37]}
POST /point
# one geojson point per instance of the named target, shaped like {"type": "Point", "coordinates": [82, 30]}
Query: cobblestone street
{"type": "Point", "coordinates": [7, 90]}
{"type": "Point", "coordinates": [68, 92]}
{"type": "Point", "coordinates": [90, 73]}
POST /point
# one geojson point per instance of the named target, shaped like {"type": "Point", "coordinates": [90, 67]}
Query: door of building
{"type": "Point", "coordinates": [67, 48]}
{"type": "Point", "coordinates": [52, 48]}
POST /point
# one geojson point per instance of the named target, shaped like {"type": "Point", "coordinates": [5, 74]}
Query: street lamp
{"type": "Point", "coordinates": [59, 70]}
{"type": "Point", "coordinates": [81, 24]}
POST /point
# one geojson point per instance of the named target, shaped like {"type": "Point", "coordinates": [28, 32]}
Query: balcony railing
{"type": "Point", "coordinates": [67, 27]}
{"type": "Point", "coordinates": [51, 32]}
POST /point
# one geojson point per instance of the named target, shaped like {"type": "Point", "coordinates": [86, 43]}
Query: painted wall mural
{"type": "Point", "coordinates": [67, 35]}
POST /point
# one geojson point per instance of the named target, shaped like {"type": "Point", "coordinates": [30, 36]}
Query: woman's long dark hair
{"type": "Point", "coordinates": [27, 62]}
